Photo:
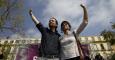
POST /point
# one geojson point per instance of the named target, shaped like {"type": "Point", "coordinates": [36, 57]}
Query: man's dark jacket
{"type": "Point", "coordinates": [49, 42]}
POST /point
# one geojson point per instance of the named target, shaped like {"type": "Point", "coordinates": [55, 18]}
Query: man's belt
{"type": "Point", "coordinates": [51, 56]}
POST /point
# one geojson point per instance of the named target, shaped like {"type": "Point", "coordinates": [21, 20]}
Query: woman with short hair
{"type": "Point", "coordinates": [69, 47]}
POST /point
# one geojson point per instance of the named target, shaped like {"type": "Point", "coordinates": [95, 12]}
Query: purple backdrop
{"type": "Point", "coordinates": [29, 52]}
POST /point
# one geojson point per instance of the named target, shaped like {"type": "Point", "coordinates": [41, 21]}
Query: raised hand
{"type": "Point", "coordinates": [33, 17]}
{"type": "Point", "coordinates": [84, 22]}
{"type": "Point", "coordinates": [82, 5]}
{"type": "Point", "coordinates": [30, 11]}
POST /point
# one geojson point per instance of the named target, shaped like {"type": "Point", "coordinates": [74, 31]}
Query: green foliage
{"type": "Point", "coordinates": [109, 35]}
{"type": "Point", "coordinates": [2, 3]}
{"type": "Point", "coordinates": [11, 15]}
{"type": "Point", "coordinates": [112, 41]}
{"type": "Point", "coordinates": [113, 57]}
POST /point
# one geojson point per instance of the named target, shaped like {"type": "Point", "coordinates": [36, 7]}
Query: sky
{"type": "Point", "coordinates": [100, 14]}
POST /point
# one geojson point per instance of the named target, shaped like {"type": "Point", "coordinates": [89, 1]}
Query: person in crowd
{"type": "Point", "coordinates": [69, 46]}
{"type": "Point", "coordinates": [50, 44]}
{"type": "Point", "coordinates": [99, 57]}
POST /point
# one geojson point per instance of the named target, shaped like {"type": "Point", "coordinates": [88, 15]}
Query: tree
{"type": "Point", "coordinates": [11, 16]}
{"type": "Point", "coordinates": [109, 35]}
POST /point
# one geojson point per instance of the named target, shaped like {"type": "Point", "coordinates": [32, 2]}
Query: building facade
{"type": "Point", "coordinates": [16, 49]}
{"type": "Point", "coordinates": [98, 45]}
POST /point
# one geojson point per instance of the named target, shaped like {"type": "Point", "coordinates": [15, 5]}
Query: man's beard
{"type": "Point", "coordinates": [52, 26]}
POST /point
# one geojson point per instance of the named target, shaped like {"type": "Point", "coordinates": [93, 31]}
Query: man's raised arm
{"type": "Point", "coordinates": [85, 21]}
{"type": "Point", "coordinates": [33, 17]}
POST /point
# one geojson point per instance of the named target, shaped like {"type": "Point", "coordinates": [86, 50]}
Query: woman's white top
{"type": "Point", "coordinates": [69, 48]}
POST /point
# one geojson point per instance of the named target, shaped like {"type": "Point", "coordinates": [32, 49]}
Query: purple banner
{"type": "Point", "coordinates": [29, 52]}
{"type": "Point", "coordinates": [85, 49]}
